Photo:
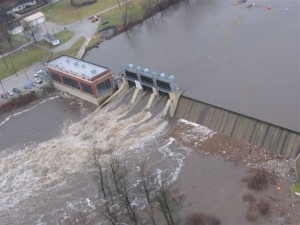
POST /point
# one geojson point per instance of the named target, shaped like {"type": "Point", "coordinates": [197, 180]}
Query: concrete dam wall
{"type": "Point", "coordinates": [265, 135]}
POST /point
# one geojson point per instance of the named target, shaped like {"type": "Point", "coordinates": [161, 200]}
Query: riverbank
{"type": "Point", "coordinates": [23, 99]}
{"type": "Point", "coordinates": [266, 180]}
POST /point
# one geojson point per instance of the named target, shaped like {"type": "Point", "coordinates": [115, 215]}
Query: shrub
{"type": "Point", "coordinates": [251, 216]}
{"type": "Point", "coordinates": [263, 207]}
{"type": "Point", "coordinates": [201, 219]}
{"type": "Point", "coordinates": [248, 198]}
{"type": "Point", "coordinates": [259, 180]}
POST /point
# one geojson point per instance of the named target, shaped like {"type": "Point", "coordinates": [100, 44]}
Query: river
{"type": "Point", "coordinates": [45, 161]}
{"type": "Point", "coordinates": [239, 58]}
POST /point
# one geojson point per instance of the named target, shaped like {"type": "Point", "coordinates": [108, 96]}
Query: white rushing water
{"type": "Point", "coordinates": [26, 173]}
{"type": "Point", "coordinates": [54, 172]}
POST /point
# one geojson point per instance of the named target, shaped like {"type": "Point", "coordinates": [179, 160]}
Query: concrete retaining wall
{"type": "Point", "coordinates": [274, 138]}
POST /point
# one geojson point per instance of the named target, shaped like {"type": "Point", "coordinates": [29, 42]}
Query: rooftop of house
{"type": "Point", "coordinates": [77, 67]}
{"type": "Point", "coordinates": [33, 17]}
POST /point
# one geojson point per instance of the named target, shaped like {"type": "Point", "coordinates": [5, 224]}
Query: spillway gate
{"type": "Point", "coordinates": [158, 83]}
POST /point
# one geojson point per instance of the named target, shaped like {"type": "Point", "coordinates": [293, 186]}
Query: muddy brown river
{"type": "Point", "coordinates": [45, 161]}
{"type": "Point", "coordinates": [243, 59]}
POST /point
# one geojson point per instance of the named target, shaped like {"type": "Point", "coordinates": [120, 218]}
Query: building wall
{"type": "Point", "coordinates": [83, 95]}
{"type": "Point", "coordinates": [93, 85]}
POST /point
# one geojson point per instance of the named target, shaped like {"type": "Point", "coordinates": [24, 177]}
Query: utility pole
{"type": "Point", "coordinates": [119, 4]}
{"type": "Point", "coordinates": [46, 30]}
{"type": "Point", "coordinates": [3, 58]}
{"type": "Point", "coordinates": [12, 65]}
{"type": "Point", "coordinates": [77, 13]}
{"type": "Point", "coordinates": [2, 87]}
{"type": "Point", "coordinates": [25, 73]}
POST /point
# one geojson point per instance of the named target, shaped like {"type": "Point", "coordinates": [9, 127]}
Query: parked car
{"type": "Point", "coordinates": [3, 95]}
{"type": "Point", "coordinates": [38, 73]}
{"type": "Point", "coordinates": [38, 80]}
{"type": "Point", "coordinates": [16, 90]}
{"type": "Point", "coordinates": [94, 19]}
{"type": "Point", "coordinates": [10, 92]}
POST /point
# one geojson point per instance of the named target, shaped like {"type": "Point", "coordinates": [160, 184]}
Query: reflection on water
{"type": "Point", "coordinates": [246, 60]}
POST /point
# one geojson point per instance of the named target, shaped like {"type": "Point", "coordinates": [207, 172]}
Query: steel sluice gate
{"type": "Point", "coordinates": [149, 79]}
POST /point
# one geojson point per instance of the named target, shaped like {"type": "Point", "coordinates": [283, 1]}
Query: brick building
{"type": "Point", "coordinates": [85, 80]}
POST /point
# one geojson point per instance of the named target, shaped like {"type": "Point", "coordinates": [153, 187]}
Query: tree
{"type": "Point", "coordinates": [148, 7]}
{"type": "Point", "coordinates": [77, 218]}
{"type": "Point", "coordinates": [119, 191]}
{"type": "Point", "coordinates": [125, 15]}
{"type": "Point", "coordinates": [30, 30]}
{"type": "Point", "coordinates": [163, 197]}
{"type": "Point", "coordinates": [201, 219]}
{"type": "Point", "coordinates": [146, 186]}
{"type": "Point", "coordinates": [99, 172]}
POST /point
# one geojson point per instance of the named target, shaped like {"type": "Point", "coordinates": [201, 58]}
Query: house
{"type": "Point", "coordinates": [21, 6]}
{"type": "Point", "coordinates": [51, 39]}
{"type": "Point", "coordinates": [34, 19]}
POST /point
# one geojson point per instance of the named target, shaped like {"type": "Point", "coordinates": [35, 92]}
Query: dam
{"type": "Point", "coordinates": [258, 133]}
{"type": "Point", "coordinates": [226, 62]}
{"type": "Point", "coordinates": [276, 139]}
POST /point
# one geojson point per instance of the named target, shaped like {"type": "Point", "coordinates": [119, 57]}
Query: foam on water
{"type": "Point", "coordinates": [25, 172]}
{"type": "Point", "coordinates": [196, 132]}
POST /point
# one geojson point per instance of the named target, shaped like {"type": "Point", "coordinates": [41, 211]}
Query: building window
{"type": "Point", "coordinates": [104, 86]}
{"type": "Point", "coordinates": [70, 82]}
{"type": "Point", "coordinates": [87, 88]}
{"type": "Point", "coordinates": [55, 77]}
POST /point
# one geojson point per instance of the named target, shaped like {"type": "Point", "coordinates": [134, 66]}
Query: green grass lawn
{"type": "Point", "coordinates": [93, 42]}
{"type": "Point", "coordinates": [16, 41]}
{"type": "Point", "coordinates": [63, 13]}
{"type": "Point", "coordinates": [63, 37]}
{"type": "Point", "coordinates": [22, 60]}
{"type": "Point", "coordinates": [71, 51]}
{"type": "Point", "coordinates": [115, 16]}
{"type": "Point", "coordinates": [295, 188]}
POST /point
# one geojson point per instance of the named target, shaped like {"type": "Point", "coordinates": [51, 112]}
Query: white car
{"type": "Point", "coordinates": [38, 80]}
{"type": "Point", "coordinates": [38, 73]}
{"type": "Point", "coordinates": [10, 92]}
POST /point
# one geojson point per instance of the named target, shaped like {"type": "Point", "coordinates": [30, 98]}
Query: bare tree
{"type": "Point", "coordinates": [110, 214]}
{"type": "Point", "coordinates": [148, 6]}
{"type": "Point", "coordinates": [116, 181]}
{"type": "Point", "coordinates": [146, 186]}
{"type": "Point", "coordinates": [72, 2]}
{"type": "Point", "coordinates": [30, 30]}
{"type": "Point", "coordinates": [4, 29]}
{"type": "Point", "coordinates": [201, 219]}
{"type": "Point", "coordinates": [99, 171]}
{"type": "Point", "coordinates": [163, 197]}
{"type": "Point", "coordinates": [125, 15]}
{"type": "Point", "coordinates": [116, 173]}
{"type": "Point", "coordinates": [119, 4]}
{"type": "Point", "coordinates": [77, 218]}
